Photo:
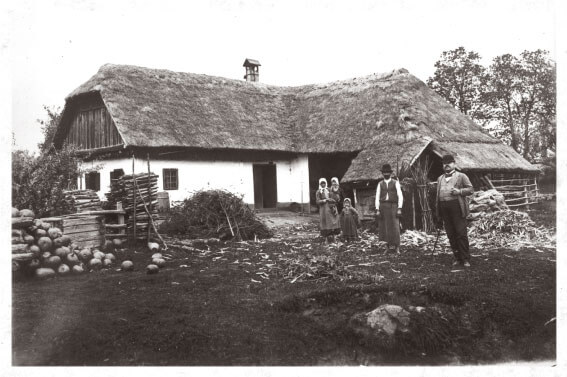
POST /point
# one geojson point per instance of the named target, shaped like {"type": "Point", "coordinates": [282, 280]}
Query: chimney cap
{"type": "Point", "coordinates": [251, 63]}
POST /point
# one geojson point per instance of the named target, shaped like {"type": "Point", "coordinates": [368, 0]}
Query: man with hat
{"type": "Point", "coordinates": [452, 209]}
{"type": "Point", "coordinates": [389, 201]}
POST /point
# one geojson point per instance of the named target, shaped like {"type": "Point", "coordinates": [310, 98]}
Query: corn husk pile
{"type": "Point", "coordinates": [41, 250]}
{"type": "Point", "coordinates": [416, 239]}
{"type": "Point", "coordinates": [82, 200]}
{"type": "Point", "coordinates": [486, 201]}
{"type": "Point", "coordinates": [510, 229]}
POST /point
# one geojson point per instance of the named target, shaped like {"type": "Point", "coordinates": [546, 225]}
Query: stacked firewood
{"type": "Point", "coordinates": [486, 201]}
{"type": "Point", "coordinates": [139, 199]}
{"type": "Point", "coordinates": [82, 200]}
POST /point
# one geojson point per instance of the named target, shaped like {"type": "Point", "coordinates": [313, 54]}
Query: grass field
{"type": "Point", "coordinates": [224, 306]}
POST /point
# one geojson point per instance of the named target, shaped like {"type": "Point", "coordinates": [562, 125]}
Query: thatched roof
{"type": "Point", "coordinates": [375, 114]}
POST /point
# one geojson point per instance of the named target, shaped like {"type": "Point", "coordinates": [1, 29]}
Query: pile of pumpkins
{"type": "Point", "coordinates": [49, 252]}
{"type": "Point", "coordinates": [157, 259]}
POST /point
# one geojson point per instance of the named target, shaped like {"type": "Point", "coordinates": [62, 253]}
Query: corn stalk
{"type": "Point", "coordinates": [420, 173]}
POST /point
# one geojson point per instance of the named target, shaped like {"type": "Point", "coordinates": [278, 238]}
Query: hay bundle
{"type": "Point", "coordinates": [486, 201]}
{"type": "Point", "coordinates": [214, 213]}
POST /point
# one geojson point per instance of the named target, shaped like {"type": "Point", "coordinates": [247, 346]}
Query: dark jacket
{"type": "Point", "coordinates": [464, 184]}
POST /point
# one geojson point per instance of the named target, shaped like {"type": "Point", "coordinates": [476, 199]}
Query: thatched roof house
{"type": "Point", "coordinates": [374, 119]}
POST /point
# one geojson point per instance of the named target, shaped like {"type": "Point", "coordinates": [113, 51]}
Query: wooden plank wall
{"type": "Point", "coordinates": [93, 128]}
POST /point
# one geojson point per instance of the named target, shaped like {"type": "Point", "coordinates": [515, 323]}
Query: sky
{"type": "Point", "coordinates": [56, 45]}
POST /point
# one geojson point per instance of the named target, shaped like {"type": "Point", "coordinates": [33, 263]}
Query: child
{"type": "Point", "coordinates": [349, 221]}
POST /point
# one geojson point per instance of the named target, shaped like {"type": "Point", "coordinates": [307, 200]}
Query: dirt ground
{"type": "Point", "coordinates": [238, 304]}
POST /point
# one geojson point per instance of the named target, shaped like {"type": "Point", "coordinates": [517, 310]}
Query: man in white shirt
{"type": "Point", "coordinates": [389, 202]}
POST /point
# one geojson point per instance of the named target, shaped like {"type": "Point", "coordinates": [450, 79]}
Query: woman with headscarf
{"type": "Point", "coordinates": [337, 195]}
{"type": "Point", "coordinates": [329, 222]}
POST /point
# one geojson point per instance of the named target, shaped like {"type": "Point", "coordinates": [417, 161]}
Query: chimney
{"type": "Point", "coordinates": [252, 70]}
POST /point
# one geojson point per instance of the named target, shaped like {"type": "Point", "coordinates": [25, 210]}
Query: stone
{"type": "Point", "coordinates": [385, 319]}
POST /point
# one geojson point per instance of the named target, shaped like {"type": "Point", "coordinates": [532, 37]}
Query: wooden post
{"type": "Point", "coordinates": [135, 194]}
{"type": "Point", "coordinates": [413, 209]}
{"type": "Point", "coordinates": [150, 197]}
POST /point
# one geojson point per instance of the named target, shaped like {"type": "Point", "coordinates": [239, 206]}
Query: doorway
{"type": "Point", "coordinates": [265, 186]}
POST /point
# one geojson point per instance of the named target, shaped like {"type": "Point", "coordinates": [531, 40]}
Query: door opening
{"type": "Point", "coordinates": [265, 186]}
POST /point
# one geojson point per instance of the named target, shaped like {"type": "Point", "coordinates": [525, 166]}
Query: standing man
{"type": "Point", "coordinates": [389, 201]}
{"type": "Point", "coordinates": [452, 209]}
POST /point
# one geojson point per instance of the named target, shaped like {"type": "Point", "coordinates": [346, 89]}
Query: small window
{"type": "Point", "coordinates": [115, 174]}
{"type": "Point", "coordinates": [170, 179]}
{"type": "Point", "coordinates": [92, 181]}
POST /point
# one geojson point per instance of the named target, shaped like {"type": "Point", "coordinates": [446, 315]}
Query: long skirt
{"type": "Point", "coordinates": [389, 223]}
{"type": "Point", "coordinates": [329, 222]}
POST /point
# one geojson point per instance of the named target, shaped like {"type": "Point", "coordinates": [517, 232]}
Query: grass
{"type": "Point", "coordinates": [205, 309]}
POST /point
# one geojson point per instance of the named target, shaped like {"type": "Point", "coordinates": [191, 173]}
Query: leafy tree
{"type": "Point", "coordinates": [48, 127]}
{"type": "Point", "coordinates": [39, 181]}
{"type": "Point", "coordinates": [521, 99]}
{"type": "Point", "coordinates": [461, 79]}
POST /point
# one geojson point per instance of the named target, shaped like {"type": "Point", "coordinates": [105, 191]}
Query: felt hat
{"type": "Point", "coordinates": [447, 159]}
{"type": "Point", "coordinates": [386, 168]}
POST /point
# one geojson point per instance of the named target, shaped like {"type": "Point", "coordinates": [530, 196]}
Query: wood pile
{"type": "Point", "coordinates": [486, 201]}
{"type": "Point", "coordinates": [138, 194]}
{"type": "Point", "coordinates": [82, 200]}
{"type": "Point", "coordinates": [40, 248]}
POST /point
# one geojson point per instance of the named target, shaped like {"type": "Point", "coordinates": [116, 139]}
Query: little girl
{"type": "Point", "coordinates": [349, 221]}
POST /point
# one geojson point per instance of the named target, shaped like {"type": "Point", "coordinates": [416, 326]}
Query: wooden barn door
{"type": "Point", "coordinates": [265, 186]}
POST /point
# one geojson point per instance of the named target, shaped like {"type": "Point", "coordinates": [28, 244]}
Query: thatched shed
{"type": "Point", "coordinates": [345, 128]}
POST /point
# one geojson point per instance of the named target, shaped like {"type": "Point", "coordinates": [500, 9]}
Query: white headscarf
{"type": "Point", "coordinates": [334, 179]}
{"type": "Point", "coordinates": [321, 189]}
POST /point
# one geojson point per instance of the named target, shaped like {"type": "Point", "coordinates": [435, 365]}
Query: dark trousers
{"type": "Point", "coordinates": [456, 228]}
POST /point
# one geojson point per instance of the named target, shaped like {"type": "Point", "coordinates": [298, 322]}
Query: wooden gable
{"type": "Point", "coordinates": [91, 125]}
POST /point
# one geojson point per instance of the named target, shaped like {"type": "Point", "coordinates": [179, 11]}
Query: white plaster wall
{"type": "Point", "coordinates": [235, 176]}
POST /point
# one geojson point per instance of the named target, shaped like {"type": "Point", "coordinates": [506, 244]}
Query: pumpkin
{"type": "Point", "coordinates": [117, 242]}
{"type": "Point", "coordinates": [152, 269]}
{"type": "Point", "coordinates": [45, 243]}
{"type": "Point", "coordinates": [45, 226]}
{"type": "Point", "coordinates": [27, 213]}
{"type": "Point", "coordinates": [65, 240]}
{"type": "Point", "coordinates": [35, 250]}
{"type": "Point", "coordinates": [53, 261]}
{"type": "Point", "coordinates": [45, 255]}
{"type": "Point", "coordinates": [40, 233]}
{"type": "Point", "coordinates": [62, 252]}
{"type": "Point", "coordinates": [106, 262]}
{"type": "Point", "coordinates": [110, 256]}
{"type": "Point", "coordinates": [85, 255]}
{"type": "Point", "coordinates": [57, 242]}
{"type": "Point", "coordinates": [15, 212]}
{"type": "Point", "coordinates": [34, 263]}
{"type": "Point", "coordinates": [157, 256]}
{"type": "Point", "coordinates": [127, 266]}
{"type": "Point", "coordinates": [44, 273]}
{"type": "Point", "coordinates": [153, 246]}
{"type": "Point", "coordinates": [98, 254]}
{"type": "Point", "coordinates": [78, 269]}
{"type": "Point", "coordinates": [54, 233]}
{"type": "Point", "coordinates": [72, 246]}
{"type": "Point", "coordinates": [72, 259]}
{"type": "Point", "coordinates": [63, 270]}
{"type": "Point", "coordinates": [95, 264]}
{"type": "Point", "coordinates": [108, 245]}
{"type": "Point", "coordinates": [29, 240]}
{"type": "Point", "coordinates": [159, 262]}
